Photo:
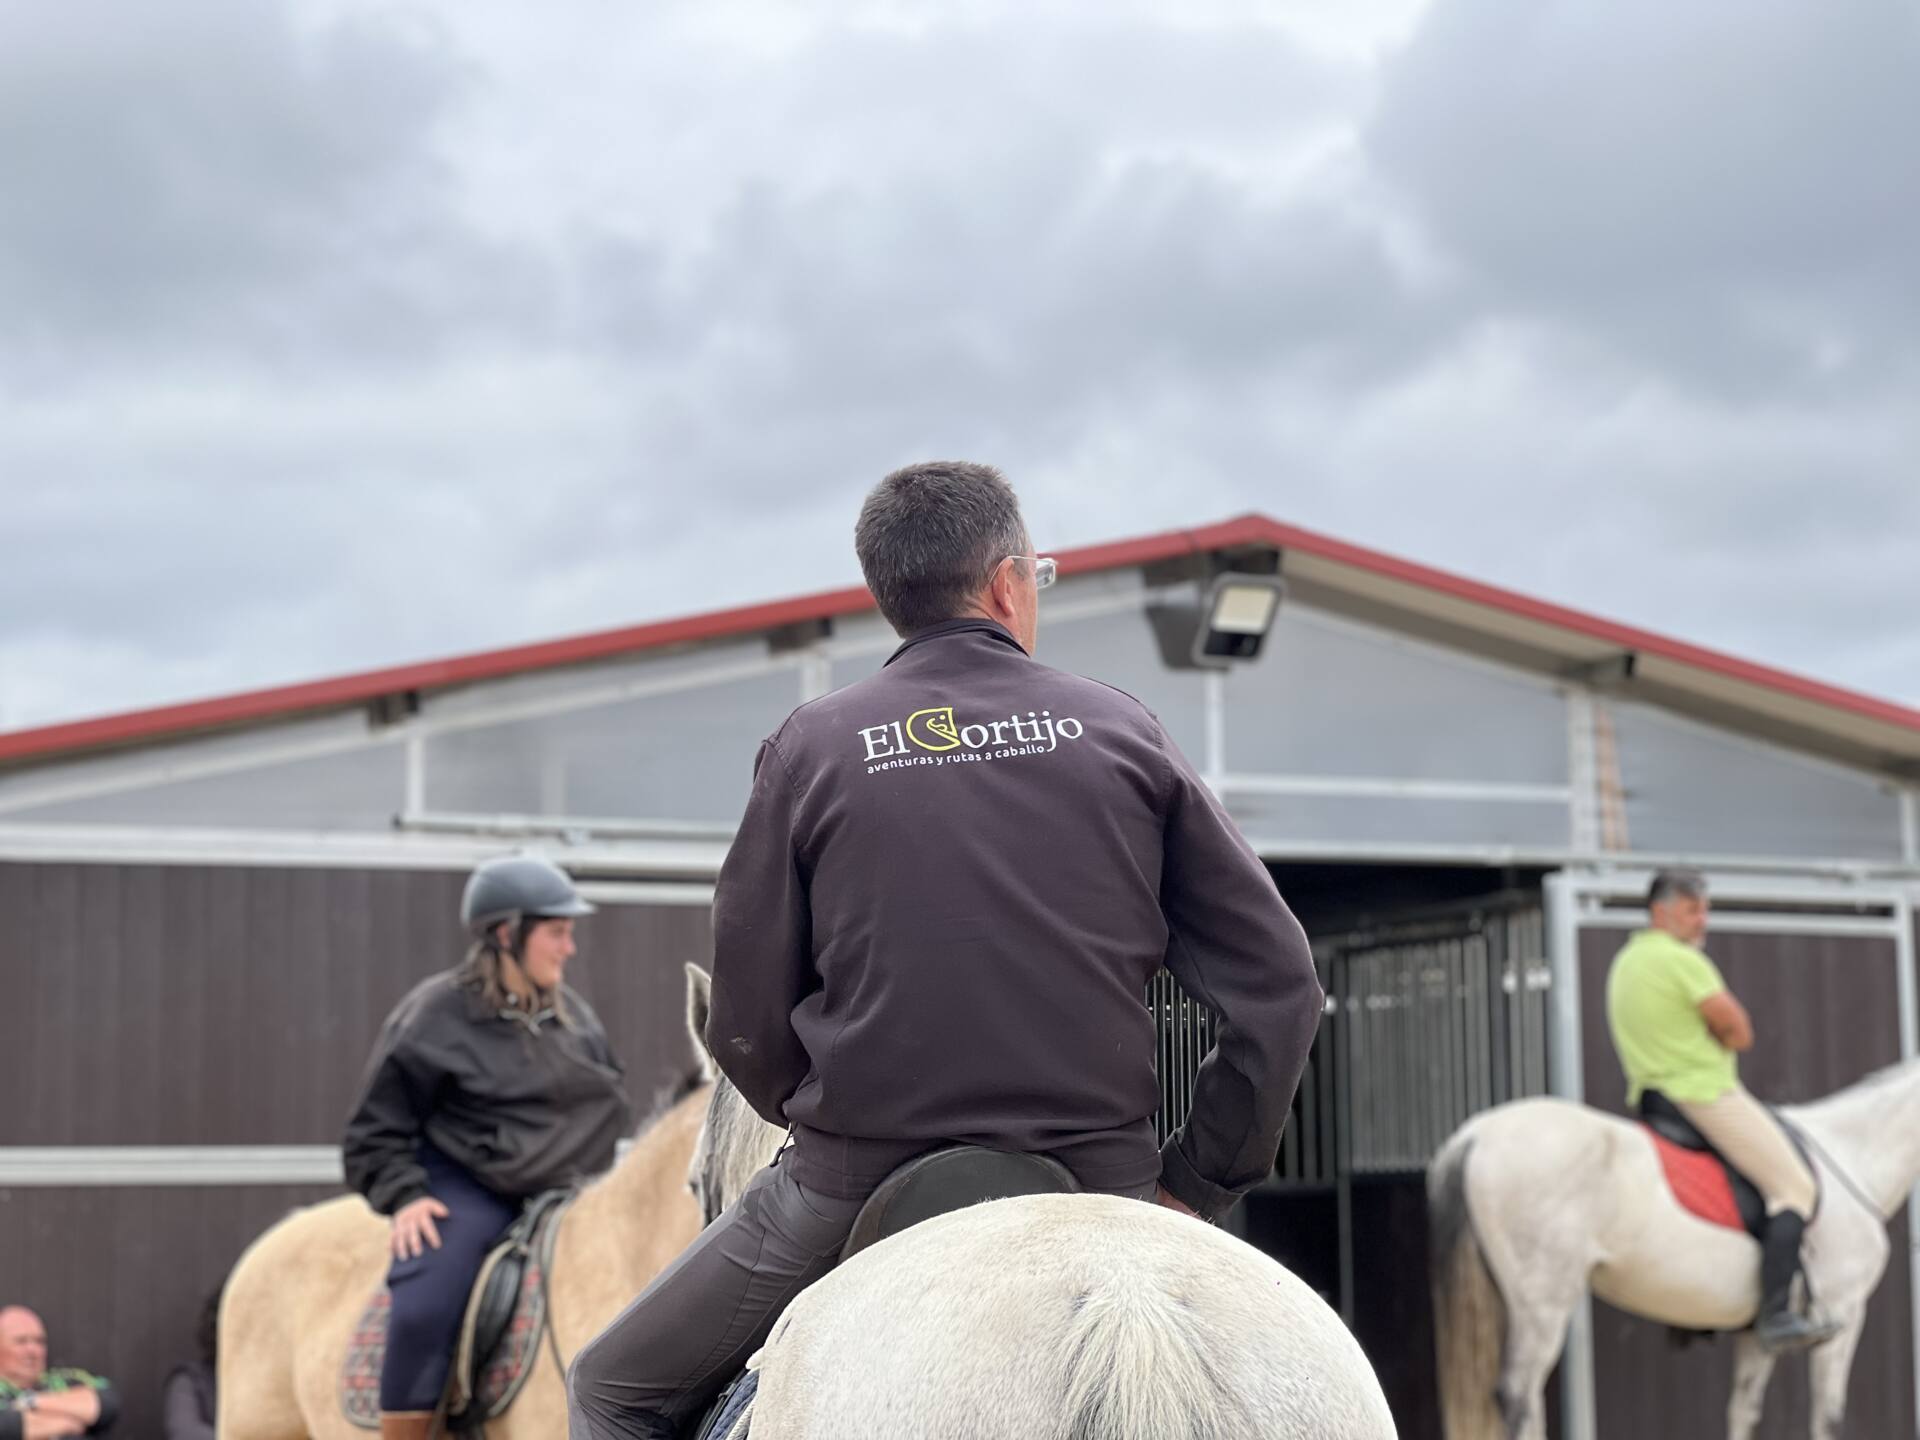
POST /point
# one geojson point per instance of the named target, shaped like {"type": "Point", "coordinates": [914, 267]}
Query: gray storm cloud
{"type": "Point", "coordinates": [345, 335]}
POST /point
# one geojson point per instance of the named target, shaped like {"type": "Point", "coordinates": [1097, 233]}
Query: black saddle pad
{"type": "Point", "coordinates": [952, 1179]}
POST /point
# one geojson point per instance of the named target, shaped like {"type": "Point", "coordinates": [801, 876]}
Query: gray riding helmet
{"type": "Point", "coordinates": [516, 886]}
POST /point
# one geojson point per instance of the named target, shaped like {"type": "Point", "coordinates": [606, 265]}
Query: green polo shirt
{"type": "Point", "coordinates": [1654, 992]}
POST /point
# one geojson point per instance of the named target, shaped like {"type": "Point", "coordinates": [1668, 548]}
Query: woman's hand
{"type": "Point", "coordinates": [413, 1227]}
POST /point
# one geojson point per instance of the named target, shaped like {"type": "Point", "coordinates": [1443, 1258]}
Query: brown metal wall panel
{"type": "Point", "coordinates": [187, 1005]}
{"type": "Point", "coordinates": [1825, 1012]}
{"type": "Point", "coordinates": [119, 1274]}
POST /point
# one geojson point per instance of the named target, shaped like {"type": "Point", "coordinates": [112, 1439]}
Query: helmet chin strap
{"type": "Point", "coordinates": [510, 956]}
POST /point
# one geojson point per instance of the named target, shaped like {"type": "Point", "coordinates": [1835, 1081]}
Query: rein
{"type": "Point", "coordinates": [1847, 1180]}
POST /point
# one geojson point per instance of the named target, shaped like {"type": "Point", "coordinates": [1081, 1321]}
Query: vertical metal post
{"type": "Point", "coordinates": [816, 673]}
{"type": "Point", "coordinates": [415, 800]}
{"type": "Point", "coordinates": [1214, 698]}
{"type": "Point", "coordinates": [1339, 973]}
{"type": "Point", "coordinates": [1903, 951]}
{"type": "Point", "coordinates": [1565, 1077]}
{"type": "Point", "coordinates": [1583, 774]}
{"type": "Point", "coordinates": [1909, 826]}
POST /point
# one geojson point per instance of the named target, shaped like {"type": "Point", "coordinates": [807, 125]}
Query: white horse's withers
{"type": "Point", "coordinates": [1536, 1201]}
{"type": "Point", "coordinates": [1049, 1317]}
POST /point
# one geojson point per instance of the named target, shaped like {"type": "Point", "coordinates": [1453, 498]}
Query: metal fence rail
{"type": "Point", "coordinates": [1427, 1023]}
{"type": "Point", "coordinates": [1184, 1031]}
{"type": "Point", "coordinates": [1437, 1021]}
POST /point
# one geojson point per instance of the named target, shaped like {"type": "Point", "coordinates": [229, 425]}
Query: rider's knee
{"type": "Point", "coordinates": [588, 1373]}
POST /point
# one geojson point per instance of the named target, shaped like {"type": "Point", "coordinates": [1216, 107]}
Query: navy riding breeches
{"type": "Point", "coordinates": [430, 1291]}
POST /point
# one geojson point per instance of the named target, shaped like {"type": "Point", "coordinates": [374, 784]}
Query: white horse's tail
{"type": "Point", "coordinates": [1135, 1366]}
{"type": "Point", "coordinates": [1469, 1317]}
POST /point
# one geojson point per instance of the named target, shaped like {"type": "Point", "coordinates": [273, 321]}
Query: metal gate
{"type": "Point", "coordinates": [1435, 1019]}
{"type": "Point", "coordinates": [1431, 1017]}
{"type": "Point", "coordinates": [1185, 1030]}
{"type": "Point", "coordinates": [1773, 932]}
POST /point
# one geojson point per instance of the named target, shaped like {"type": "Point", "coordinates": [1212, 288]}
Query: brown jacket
{"type": "Point", "coordinates": [940, 913]}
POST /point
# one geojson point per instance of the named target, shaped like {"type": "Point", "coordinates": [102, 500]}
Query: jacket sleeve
{"type": "Point", "coordinates": [762, 947]}
{"type": "Point", "coordinates": [109, 1407]}
{"type": "Point", "coordinates": [377, 1151]}
{"type": "Point", "coordinates": [1235, 946]}
{"type": "Point", "coordinates": [180, 1415]}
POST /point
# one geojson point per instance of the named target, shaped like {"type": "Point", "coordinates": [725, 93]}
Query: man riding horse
{"type": "Point", "coordinates": [1678, 1028]}
{"type": "Point", "coordinates": [936, 926]}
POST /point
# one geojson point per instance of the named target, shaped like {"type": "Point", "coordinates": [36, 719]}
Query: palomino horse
{"type": "Point", "coordinates": [1534, 1201]}
{"type": "Point", "coordinates": [292, 1301]}
{"type": "Point", "coordinates": [1054, 1317]}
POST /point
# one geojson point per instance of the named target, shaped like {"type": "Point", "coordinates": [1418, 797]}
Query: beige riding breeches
{"type": "Point", "coordinates": [1751, 1140]}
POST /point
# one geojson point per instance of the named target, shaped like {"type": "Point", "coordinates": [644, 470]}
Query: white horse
{"type": "Point", "coordinates": [1054, 1317]}
{"type": "Point", "coordinates": [1533, 1202]}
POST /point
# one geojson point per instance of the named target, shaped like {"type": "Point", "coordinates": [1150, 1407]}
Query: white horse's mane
{"type": "Point", "coordinates": [1867, 1086]}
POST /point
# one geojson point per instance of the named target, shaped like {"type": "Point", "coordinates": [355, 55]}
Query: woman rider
{"type": "Point", "coordinates": [490, 1083]}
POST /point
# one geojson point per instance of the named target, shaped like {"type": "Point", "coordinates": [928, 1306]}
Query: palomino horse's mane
{"type": "Point", "coordinates": [666, 1100]}
{"type": "Point", "coordinates": [670, 1095]}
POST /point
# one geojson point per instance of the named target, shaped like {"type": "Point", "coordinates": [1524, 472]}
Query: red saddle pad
{"type": "Point", "coordinates": [1699, 1182]}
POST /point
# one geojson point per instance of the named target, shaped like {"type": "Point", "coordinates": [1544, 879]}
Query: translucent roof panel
{"type": "Point", "coordinates": [686, 755]}
{"type": "Point", "coordinates": [1690, 787]}
{"type": "Point", "coordinates": [1334, 697]}
{"type": "Point", "coordinates": [1118, 649]}
{"type": "Point", "coordinates": [1092, 625]}
{"type": "Point", "coordinates": [362, 788]}
{"type": "Point", "coordinates": [1373, 821]}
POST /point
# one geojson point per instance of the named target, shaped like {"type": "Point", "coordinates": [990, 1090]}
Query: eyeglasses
{"type": "Point", "coordinates": [1046, 569]}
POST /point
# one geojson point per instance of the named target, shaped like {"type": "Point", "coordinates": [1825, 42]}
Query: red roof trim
{"type": "Point", "coordinates": [346, 690]}
{"type": "Point", "coordinates": [1625, 636]}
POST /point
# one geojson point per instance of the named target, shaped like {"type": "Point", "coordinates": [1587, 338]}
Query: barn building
{"type": "Point", "coordinates": [211, 906]}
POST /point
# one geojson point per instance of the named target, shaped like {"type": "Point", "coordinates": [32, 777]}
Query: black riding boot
{"type": "Point", "coordinates": [1780, 1326]}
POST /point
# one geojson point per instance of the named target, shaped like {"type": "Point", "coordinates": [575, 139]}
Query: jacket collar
{"type": "Point", "coordinates": [965, 625]}
{"type": "Point", "coordinates": [478, 1010]}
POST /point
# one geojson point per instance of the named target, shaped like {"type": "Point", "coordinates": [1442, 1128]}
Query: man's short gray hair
{"type": "Point", "coordinates": [1676, 882]}
{"type": "Point", "coordinates": [930, 535]}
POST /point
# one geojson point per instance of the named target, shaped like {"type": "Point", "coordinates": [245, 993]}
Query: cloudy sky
{"type": "Point", "coordinates": [336, 333]}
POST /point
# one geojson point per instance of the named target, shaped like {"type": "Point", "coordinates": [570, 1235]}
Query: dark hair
{"type": "Point", "coordinates": [206, 1334]}
{"type": "Point", "coordinates": [930, 535]}
{"type": "Point", "coordinates": [1669, 883]}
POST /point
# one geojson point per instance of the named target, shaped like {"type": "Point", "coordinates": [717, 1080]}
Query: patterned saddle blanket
{"type": "Point", "coordinates": [499, 1338]}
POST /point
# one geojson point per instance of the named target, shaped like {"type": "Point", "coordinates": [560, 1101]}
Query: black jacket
{"type": "Point", "coordinates": [522, 1103]}
{"type": "Point", "coordinates": [940, 913]}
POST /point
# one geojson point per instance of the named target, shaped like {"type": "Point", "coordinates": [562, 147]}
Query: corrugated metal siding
{"type": "Point", "coordinates": [1826, 1012]}
{"type": "Point", "coordinates": [179, 1005]}
{"type": "Point", "coordinates": [119, 1275]}
{"type": "Point", "coordinates": [225, 1006]}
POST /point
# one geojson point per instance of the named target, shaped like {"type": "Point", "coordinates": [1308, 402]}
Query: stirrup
{"type": "Point", "coordinates": [1790, 1330]}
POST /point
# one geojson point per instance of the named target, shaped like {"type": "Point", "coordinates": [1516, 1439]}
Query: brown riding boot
{"type": "Point", "coordinates": [406, 1424]}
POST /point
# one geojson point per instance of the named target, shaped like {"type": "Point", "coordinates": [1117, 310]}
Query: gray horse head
{"type": "Point", "coordinates": [735, 1144]}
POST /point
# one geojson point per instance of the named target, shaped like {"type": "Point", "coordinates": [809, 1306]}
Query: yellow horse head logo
{"type": "Point", "coordinates": [933, 729]}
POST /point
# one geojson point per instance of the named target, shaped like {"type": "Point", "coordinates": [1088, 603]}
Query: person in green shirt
{"type": "Point", "coordinates": [1679, 1030]}
{"type": "Point", "coordinates": [41, 1404]}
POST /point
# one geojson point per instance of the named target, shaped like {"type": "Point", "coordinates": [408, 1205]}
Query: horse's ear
{"type": "Point", "coordinates": [699, 1006]}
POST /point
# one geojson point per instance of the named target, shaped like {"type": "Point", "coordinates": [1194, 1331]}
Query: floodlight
{"type": "Point", "coordinates": [1239, 612]}
{"type": "Point", "coordinates": [1213, 611]}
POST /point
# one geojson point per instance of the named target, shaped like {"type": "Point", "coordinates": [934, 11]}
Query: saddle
{"type": "Point", "coordinates": [934, 1184]}
{"type": "Point", "coordinates": [505, 1319]}
{"type": "Point", "coordinates": [1702, 1180]}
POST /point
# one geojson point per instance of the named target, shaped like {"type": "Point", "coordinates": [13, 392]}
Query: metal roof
{"type": "Point", "coordinates": [1322, 571]}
